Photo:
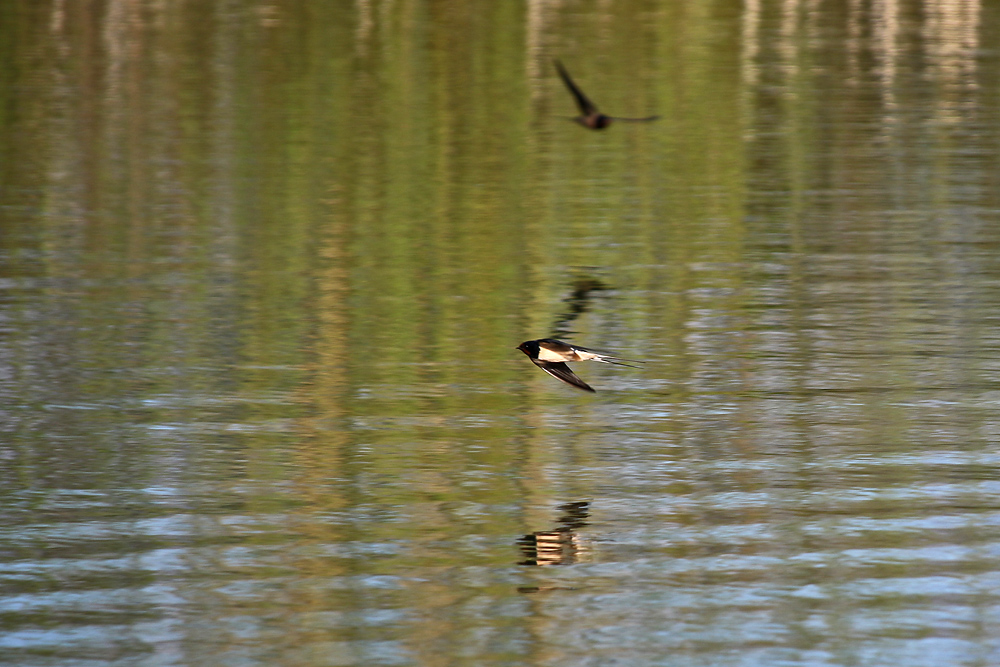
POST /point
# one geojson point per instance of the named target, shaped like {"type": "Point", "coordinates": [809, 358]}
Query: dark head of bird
{"type": "Point", "coordinates": [529, 347]}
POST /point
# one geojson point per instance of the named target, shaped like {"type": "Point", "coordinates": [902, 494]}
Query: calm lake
{"type": "Point", "coordinates": [263, 270]}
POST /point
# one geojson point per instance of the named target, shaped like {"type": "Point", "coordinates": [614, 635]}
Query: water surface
{"type": "Point", "coordinates": [264, 269]}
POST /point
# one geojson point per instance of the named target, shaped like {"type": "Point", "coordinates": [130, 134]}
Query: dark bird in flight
{"type": "Point", "coordinates": [591, 117]}
{"type": "Point", "coordinates": [551, 356]}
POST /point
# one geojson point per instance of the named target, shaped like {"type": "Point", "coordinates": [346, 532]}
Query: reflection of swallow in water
{"type": "Point", "coordinates": [551, 356]}
{"type": "Point", "coordinates": [590, 117]}
{"type": "Point", "coordinates": [578, 302]}
{"type": "Point", "coordinates": [561, 546]}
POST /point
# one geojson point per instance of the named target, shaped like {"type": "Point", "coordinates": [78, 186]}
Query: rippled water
{"type": "Point", "coordinates": [263, 270]}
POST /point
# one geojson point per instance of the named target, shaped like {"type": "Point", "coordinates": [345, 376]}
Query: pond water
{"type": "Point", "coordinates": [263, 269]}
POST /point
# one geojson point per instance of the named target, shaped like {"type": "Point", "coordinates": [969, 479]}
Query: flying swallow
{"type": "Point", "coordinates": [551, 356]}
{"type": "Point", "coordinates": [590, 117]}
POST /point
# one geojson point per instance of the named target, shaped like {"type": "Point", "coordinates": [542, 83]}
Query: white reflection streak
{"type": "Point", "coordinates": [814, 19]}
{"type": "Point", "coordinates": [786, 44]}
{"type": "Point", "coordinates": [58, 18]}
{"type": "Point", "coordinates": [750, 49]}
{"type": "Point", "coordinates": [57, 23]}
{"type": "Point", "coordinates": [363, 31]}
{"type": "Point", "coordinates": [114, 35]}
{"type": "Point", "coordinates": [121, 31]}
{"type": "Point", "coordinates": [61, 159]}
{"type": "Point", "coordinates": [537, 18]}
{"type": "Point", "coordinates": [886, 31]}
{"type": "Point", "coordinates": [951, 33]}
{"type": "Point", "coordinates": [855, 11]}
{"type": "Point", "coordinates": [224, 66]}
{"type": "Point", "coordinates": [116, 32]}
{"type": "Point", "coordinates": [886, 35]}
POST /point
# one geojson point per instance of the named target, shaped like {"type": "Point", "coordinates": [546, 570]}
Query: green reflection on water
{"type": "Point", "coordinates": [265, 268]}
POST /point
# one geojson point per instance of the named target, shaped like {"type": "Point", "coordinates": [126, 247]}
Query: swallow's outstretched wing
{"type": "Point", "coordinates": [587, 108]}
{"type": "Point", "coordinates": [561, 371]}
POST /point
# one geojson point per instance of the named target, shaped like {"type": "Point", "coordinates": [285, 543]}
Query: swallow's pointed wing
{"type": "Point", "coordinates": [586, 106]}
{"type": "Point", "coordinates": [561, 371]}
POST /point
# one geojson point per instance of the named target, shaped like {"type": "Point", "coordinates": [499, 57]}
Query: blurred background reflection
{"type": "Point", "coordinates": [262, 272]}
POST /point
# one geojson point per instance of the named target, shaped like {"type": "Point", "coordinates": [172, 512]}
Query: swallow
{"type": "Point", "coordinates": [551, 356]}
{"type": "Point", "coordinates": [591, 117]}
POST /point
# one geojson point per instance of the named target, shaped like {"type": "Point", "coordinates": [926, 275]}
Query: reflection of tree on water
{"type": "Point", "coordinates": [578, 301]}
{"type": "Point", "coordinates": [560, 546]}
